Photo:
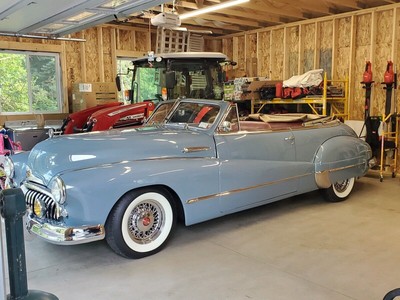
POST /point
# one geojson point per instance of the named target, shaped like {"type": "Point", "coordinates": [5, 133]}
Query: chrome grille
{"type": "Point", "coordinates": [51, 205]}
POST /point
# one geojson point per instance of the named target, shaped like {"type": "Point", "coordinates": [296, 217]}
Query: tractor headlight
{"type": "Point", "coordinates": [57, 188]}
{"type": "Point", "coordinates": [8, 167]}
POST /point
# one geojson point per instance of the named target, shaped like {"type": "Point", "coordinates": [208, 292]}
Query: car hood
{"type": "Point", "coordinates": [79, 151]}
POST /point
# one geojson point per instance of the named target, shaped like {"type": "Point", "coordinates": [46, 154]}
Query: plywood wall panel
{"type": "Point", "coordinates": [92, 56]}
{"type": "Point", "coordinates": [142, 41]}
{"type": "Point", "coordinates": [343, 48]}
{"type": "Point", "coordinates": [108, 68]}
{"type": "Point", "coordinates": [239, 51]}
{"type": "Point", "coordinates": [264, 53]}
{"type": "Point", "coordinates": [106, 40]}
{"type": "Point", "coordinates": [73, 58]}
{"type": "Point", "coordinates": [326, 46]}
{"type": "Point", "coordinates": [308, 47]}
{"type": "Point", "coordinates": [382, 54]}
{"type": "Point", "coordinates": [107, 63]}
{"type": "Point", "coordinates": [212, 45]}
{"type": "Point", "coordinates": [397, 58]}
{"type": "Point", "coordinates": [251, 54]}
{"type": "Point", "coordinates": [363, 46]}
{"type": "Point", "coordinates": [278, 54]}
{"type": "Point", "coordinates": [358, 99]}
{"type": "Point", "coordinates": [363, 30]}
{"type": "Point", "coordinates": [126, 39]}
{"type": "Point", "coordinates": [293, 47]}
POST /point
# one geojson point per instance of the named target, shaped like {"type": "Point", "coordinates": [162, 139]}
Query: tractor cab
{"type": "Point", "coordinates": [168, 76]}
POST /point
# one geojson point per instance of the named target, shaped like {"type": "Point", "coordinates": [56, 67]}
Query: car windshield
{"type": "Point", "coordinates": [198, 115]}
{"type": "Point", "coordinates": [160, 114]}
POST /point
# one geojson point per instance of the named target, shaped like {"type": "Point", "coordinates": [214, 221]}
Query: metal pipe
{"type": "Point", "coordinates": [41, 37]}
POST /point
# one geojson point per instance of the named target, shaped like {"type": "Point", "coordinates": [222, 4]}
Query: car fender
{"type": "Point", "coordinates": [188, 178]}
{"type": "Point", "coordinates": [20, 161]}
{"type": "Point", "coordinates": [340, 158]}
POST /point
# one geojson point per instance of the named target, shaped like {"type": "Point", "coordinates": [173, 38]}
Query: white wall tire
{"type": "Point", "coordinates": [339, 191]}
{"type": "Point", "coordinates": [140, 223]}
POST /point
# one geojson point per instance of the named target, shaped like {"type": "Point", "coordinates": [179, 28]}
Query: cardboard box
{"type": "Point", "coordinates": [85, 95]}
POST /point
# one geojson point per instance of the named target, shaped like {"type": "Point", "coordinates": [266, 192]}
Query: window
{"type": "Point", "coordinates": [124, 70]}
{"type": "Point", "coordinates": [148, 80]}
{"type": "Point", "coordinates": [29, 82]}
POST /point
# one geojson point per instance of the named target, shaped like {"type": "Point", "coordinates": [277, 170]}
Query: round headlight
{"type": "Point", "coordinates": [8, 167]}
{"type": "Point", "coordinates": [57, 188]}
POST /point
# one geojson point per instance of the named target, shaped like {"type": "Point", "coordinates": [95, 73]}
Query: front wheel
{"type": "Point", "coordinates": [140, 223]}
{"type": "Point", "coordinates": [339, 191]}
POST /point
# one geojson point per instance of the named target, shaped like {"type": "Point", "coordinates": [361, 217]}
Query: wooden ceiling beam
{"type": "Point", "coordinates": [251, 14]}
{"type": "Point", "coordinates": [209, 25]}
{"type": "Point", "coordinates": [282, 11]}
{"type": "Point", "coordinates": [259, 4]}
{"type": "Point", "coordinates": [200, 3]}
{"type": "Point", "coordinates": [216, 17]}
{"type": "Point", "coordinates": [353, 4]}
{"type": "Point", "coordinates": [314, 6]}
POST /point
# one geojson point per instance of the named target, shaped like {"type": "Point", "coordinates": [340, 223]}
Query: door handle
{"type": "Point", "coordinates": [195, 149]}
{"type": "Point", "coordinates": [289, 139]}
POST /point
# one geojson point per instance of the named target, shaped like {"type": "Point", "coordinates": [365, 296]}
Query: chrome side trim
{"type": "Point", "coordinates": [226, 193]}
{"type": "Point", "coordinates": [195, 149]}
{"type": "Point", "coordinates": [322, 177]}
{"type": "Point", "coordinates": [283, 129]}
{"type": "Point", "coordinates": [63, 235]}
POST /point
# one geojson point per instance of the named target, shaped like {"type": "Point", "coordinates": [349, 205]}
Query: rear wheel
{"type": "Point", "coordinates": [339, 191]}
{"type": "Point", "coordinates": [141, 223]}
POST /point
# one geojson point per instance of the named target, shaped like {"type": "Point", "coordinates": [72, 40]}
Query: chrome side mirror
{"type": "Point", "coordinates": [226, 126]}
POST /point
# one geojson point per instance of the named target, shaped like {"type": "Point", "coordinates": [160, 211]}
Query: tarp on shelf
{"type": "Point", "coordinates": [310, 78]}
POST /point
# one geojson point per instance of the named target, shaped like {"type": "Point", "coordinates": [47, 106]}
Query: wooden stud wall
{"type": "Point", "coordinates": [91, 61]}
{"type": "Point", "coordinates": [339, 44]}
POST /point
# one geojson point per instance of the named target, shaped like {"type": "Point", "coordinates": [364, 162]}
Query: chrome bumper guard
{"type": "Point", "coordinates": [65, 235]}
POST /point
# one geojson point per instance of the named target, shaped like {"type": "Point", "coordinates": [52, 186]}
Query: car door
{"type": "Point", "coordinates": [255, 167]}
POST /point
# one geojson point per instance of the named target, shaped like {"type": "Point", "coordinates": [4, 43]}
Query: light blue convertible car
{"type": "Point", "coordinates": [194, 160]}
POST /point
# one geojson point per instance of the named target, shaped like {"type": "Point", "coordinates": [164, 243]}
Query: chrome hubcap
{"type": "Point", "coordinates": [145, 222]}
{"type": "Point", "coordinates": [341, 186]}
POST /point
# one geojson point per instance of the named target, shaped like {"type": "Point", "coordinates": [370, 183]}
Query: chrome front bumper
{"type": "Point", "coordinates": [65, 235]}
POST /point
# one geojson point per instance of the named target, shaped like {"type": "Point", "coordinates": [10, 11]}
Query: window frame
{"type": "Point", "coordinates": [59, 85]}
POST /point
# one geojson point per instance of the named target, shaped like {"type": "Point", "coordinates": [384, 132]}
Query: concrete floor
{"type": "Point", "coordinates": [299, 248]}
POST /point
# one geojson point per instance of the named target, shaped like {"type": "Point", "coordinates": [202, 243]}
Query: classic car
{"type": "Point", "coordinates": [194, 162]}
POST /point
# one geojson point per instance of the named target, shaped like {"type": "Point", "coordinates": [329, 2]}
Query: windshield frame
{"type": "Point", "coordinates": [222, 105]}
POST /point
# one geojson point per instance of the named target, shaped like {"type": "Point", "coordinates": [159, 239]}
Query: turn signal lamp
{"type": "Point", "coordinates": [38, 208]}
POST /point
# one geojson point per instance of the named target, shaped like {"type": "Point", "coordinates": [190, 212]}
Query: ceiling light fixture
{"type": "Point", "coordinates": [211, 8]}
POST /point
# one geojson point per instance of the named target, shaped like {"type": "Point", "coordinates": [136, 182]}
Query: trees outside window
{"type": "Point", "coordinates": [29, 83]}
{"type": "Point", "coordinates": [123, 65]}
